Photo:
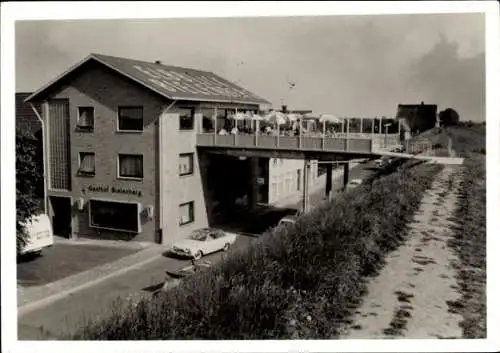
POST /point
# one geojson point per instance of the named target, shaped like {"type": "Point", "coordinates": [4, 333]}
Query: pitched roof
{"type": "Point", "coordinates": [172, 82]}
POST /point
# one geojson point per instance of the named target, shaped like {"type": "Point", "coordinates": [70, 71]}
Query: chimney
{"type": "Point", "coordinates": [158, 62]}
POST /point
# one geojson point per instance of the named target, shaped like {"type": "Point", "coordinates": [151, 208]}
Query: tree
{"type": "Point", "coordinates": [28, 176]}
{"type": "Point", "coordinates": [448, 117]}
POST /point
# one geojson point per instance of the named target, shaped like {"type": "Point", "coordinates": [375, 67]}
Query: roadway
{"type": "Point", "coordinates": [68, 314]}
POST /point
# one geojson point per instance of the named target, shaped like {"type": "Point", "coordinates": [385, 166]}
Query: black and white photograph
{"type": "Point", "coordinates": [207, 172]}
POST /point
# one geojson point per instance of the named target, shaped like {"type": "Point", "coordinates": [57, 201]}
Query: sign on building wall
{"type": "Point", "coordinates": [114, 189]}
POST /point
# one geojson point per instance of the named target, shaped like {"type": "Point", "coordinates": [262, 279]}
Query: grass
{"type": "Point", "coordinates": [469, 242]}
{"type": "Point", "coordinates": [466, 138]}
{"type": "Point", "coordinates": [303, 281]}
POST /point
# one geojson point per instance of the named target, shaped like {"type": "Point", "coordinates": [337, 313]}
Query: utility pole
{"type": "Point", "coordinates": [305, 191]}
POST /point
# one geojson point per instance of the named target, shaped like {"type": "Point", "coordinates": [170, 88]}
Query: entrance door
{"type": "Point", "coordinates": [61, 216]}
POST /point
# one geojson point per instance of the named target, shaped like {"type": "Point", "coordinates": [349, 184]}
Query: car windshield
{"type": "Point", "coordinates": [200, 235]}
{"type": "Point", "coordinates": [216, 234]}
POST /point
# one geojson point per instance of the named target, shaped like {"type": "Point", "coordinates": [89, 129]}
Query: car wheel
{"type": "Point", "coordinates": [198, 255]}
{"type": "Point", "coordinates": [226, 247]}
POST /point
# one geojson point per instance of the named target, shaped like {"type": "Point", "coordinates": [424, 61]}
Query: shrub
{"type": "Point", "coordinates": [28, 176]}
{"type": "Point", "coordinates": [470, 245]}
{"type": "Point", "coordinates": [300, 281]}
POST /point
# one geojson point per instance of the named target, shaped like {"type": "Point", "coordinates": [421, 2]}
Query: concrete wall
{"type": "Point", "coordinates": [178, 189]}
{"type": "Point", "coordinates": [105, 91]}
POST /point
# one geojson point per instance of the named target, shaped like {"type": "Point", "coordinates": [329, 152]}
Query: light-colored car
{"type": "Point", "coordinates": [399, 148]}
{"type": "Point", "coordinates": [287, 220]}
{"type": "Point", "coordinates": [39, 235]}
{"type": "Point", "coordinates": [202, 242]}
{"type": "Point", "coordinates": [354, 183]}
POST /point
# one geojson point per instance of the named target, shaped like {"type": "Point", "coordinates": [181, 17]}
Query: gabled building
{"type": "Point", "coordinates": [120, 139]}
{"type": "Point", "coordinates": [416, 118]}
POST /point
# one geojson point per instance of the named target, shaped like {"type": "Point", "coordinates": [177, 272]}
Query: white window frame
{"type": "Point", "coordinates": [118, 167]}
{"type": "Point", "coordinates": [118, 118]}
{"type": "Point", "coordinates": [80, 164]}
{"type": "Point", "coordinates": [191, 203]}
{"type": "Point", "coordinates": [139, 210]}
{"type": "Point", "coordinates": [191, 158]}
{"type": "Point", "coordinates": [83, 128]}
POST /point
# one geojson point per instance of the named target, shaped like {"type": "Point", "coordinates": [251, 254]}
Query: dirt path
{"type": "Point", "coordinates": [409, 298]}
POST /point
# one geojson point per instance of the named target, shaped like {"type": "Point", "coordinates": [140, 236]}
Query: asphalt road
{"type": "Point", "coordinates": [62, 260]}
{"type": "Point", "coordinates": [69, 314]}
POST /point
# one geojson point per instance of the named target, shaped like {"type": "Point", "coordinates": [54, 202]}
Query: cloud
{"type": "Point", "coordinates": [345, 65]}
{"type": "Point", "coordinates": [443, 77]}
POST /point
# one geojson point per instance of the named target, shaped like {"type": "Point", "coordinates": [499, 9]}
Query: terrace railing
{"type": "Point", "coordinates": [340, 142]}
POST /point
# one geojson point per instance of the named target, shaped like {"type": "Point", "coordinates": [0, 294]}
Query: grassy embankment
{"type": "Point", "coordinates": [303, 281]}
{"type": "Point", "coordinates": [470, 234]}
{"type": "Point", "coordinates": [469, 141]}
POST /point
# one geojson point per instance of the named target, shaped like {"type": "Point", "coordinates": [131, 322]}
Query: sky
{"type": "Point", "coordinates": [342, 65]}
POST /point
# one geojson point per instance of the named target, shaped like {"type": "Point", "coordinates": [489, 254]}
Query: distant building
{"type": "Point", "coordinates": [286, 178]}
{"type": "Point", "coordinates": [286, 175]}
{"type": "Point", "coordinates": [416, 118]}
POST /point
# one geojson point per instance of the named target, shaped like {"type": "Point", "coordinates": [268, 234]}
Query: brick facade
{"type": "Point", "coordinates": [106, 91]}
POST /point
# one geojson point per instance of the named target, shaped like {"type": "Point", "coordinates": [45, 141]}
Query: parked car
{"type": "Point", "coordinates": [202, 242]}
{"type": "Point", "coordinates": [354, 183]}
{"type": "Point", "coordinates": [383, 162]}
{"type": "Point", "coordinates": [174, 277]}
{"type": "Point", "coordinates": [39, 235]}
{"type": "Point", "coordinates": [195, 266]}
{"type": "Point", "coordinates": [292, 219]}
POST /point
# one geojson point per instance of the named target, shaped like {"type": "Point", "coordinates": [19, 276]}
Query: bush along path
{"type": "Point", "coordinates": [413, 295]}
{"type": "Point", "coordinates": [299, 281]}
{"type": "Point", "coordinates": [469, 244]}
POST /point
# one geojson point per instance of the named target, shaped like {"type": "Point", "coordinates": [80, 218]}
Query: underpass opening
{"type": "Point", "coordinates": [237, 193]}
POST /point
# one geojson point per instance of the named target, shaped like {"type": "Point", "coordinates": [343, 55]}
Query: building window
{"type": "Point", "coordinates": [87, 163]}
{"type": "Point", "coordinates": [299, 179]}
{"type": "Point", "coordinates": [274, 188]}
{"type": "Point", "coordinates": [130, 166]}
{"type": "Point", "coordinates": [85, 118]}
{"type": "Point", "coordinates": [288, 182]}
{"type": "Point", "coordinates": [186, 213]}
{"type": "Point", "coordinates": [280, 185]}
{"type": "Point", "coordinates": [186, 118]}
{"type": "Point", "coordinates": [130, 119]}
{"type": "Point", "coordinates": [111, 215]}
{"type": "Point", "coordinates": [186, 164]}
